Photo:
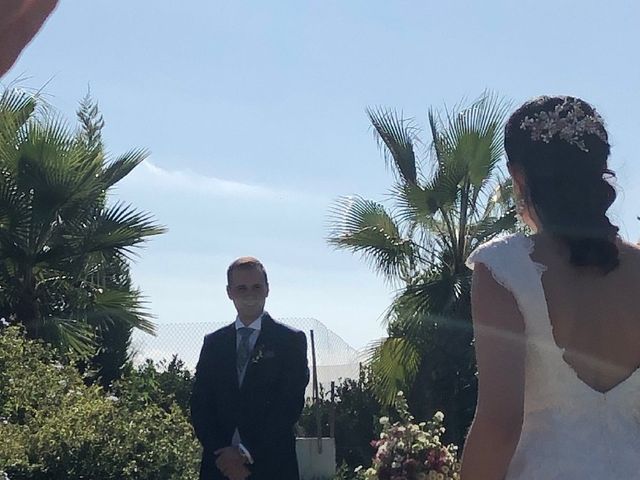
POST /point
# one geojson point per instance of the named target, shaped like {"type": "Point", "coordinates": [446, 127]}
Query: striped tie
{"type": "Point", "coordinates": [244, 349]}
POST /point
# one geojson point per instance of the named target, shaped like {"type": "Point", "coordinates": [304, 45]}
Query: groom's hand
{"type": "Point", "coordinates": [232, 463]}
{"type": "Point", "coordinates": [239, 473]}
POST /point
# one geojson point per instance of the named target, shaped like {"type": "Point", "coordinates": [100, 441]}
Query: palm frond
{"type": "Point", "coordinates": [120, 228]}
{"type": "Point", "coordinates": [123, 166]}
{"type": "Point", "coordinates": [70, 333]}
{"type": "Point", "coordinates": [127, 307]}
{"type": "Point", "coordinates": [16, 107]}
{"type": "Point", "coordinates": [415, 203]}
{"type": "Point", "coordinates": [472, 137]}
{"type": "Point", "coordinates": [46, 164]}
{"type": "Point", "coordinates": [431, 293]}
{"type": "Point", "coordinates": [365, 227]}
{"type": "Point", "coordinates": [436, 139]}
{"type": "Point", "coordinates": [444, 186]}
{"type": "Point", "coordinates": [395, 135]}
{"type": "Point", "coordinates": [394, 362]}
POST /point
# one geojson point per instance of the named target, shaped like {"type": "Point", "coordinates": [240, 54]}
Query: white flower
{"type": "Point", "coordinates": [4, 323]}
{"type": "Point", "coordinates": [439, 416]}
{"type": "Point", "coordinates": [112, 398]}
{"type": "Point", "coordinates": [384, 420]}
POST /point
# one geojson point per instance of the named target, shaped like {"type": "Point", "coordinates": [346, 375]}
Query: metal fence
{"type": "Point", "coordinates": [335, 358]}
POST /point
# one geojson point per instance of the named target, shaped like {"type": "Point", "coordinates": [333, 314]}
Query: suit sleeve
{"type": "Point", "coordinates": [204, 417]}
{"type": "Point", "coordinates": [284, 413]}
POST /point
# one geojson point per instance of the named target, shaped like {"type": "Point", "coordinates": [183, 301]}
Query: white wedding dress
{"type": "Point", "coordinates": [570, 431]}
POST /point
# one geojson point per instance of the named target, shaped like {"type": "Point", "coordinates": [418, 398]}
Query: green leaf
{"type": "Point", "coordinates": [396, 135]}
{"type": "Point", "coordinates": [394, 363]}
{"type": "Point", "coordinates": [123, 166]}
{"type": "Point", "coordinates": [124, 306]}
{"type": "Point", "coordinates": [70, 332]}
{"type": "Point", "coordinates": [472, 138]}
{"type": "Point", "coordinates": [366, 227]}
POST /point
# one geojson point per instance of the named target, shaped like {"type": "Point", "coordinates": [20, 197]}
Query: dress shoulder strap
{"type": "Point", "coordinates": [509, 260]}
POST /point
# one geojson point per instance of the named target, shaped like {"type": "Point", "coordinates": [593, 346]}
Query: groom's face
{"type": "Point", "coordinates": [248, 290]}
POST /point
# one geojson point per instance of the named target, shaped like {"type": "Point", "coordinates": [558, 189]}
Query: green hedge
{"type": "Point", "coordinates": [53, 426]}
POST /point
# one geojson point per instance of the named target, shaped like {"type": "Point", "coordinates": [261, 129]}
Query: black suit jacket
{"type": "Point", "coordinates": [264, 409]}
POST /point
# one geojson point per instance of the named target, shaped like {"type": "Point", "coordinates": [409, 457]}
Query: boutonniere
{"type": "Point", "coordinates": [261, 354]}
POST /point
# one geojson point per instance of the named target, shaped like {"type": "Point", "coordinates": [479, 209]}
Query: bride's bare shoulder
{"type": "Point", "coordinates": [629, 248]}
{"type": "Point", "coordinates": [629, 254]}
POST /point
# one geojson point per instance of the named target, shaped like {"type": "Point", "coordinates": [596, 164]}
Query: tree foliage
{"type": "Point", "coordinates": [64, 247]}
{"type": "Point", "coordinates": [441, 210]}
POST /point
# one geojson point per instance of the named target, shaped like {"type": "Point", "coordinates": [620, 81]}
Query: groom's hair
{"type": "Point", "coordinates": [246, 263]}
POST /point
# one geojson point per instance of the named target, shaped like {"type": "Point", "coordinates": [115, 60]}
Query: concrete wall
{"type": "Point", "coordinates": [315, 465]}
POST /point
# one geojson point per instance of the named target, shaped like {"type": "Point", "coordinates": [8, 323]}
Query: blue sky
{"type": "Point", "coordinates": [254, 116]}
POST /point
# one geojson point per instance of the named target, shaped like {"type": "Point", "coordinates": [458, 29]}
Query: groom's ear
{"type": "Point", "coordinates": [229, 292]}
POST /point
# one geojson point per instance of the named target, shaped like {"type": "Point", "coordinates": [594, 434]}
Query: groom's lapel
{"type": "Point", "coordinates": [263, 344]}
{"type": "Point", "coordinates": [228, 356]}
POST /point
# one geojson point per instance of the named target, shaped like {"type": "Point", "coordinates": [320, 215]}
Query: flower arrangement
{"type": "Point", "coordinates": [409, 451]}
{"type": "Point", "coordinates": [259, 355]}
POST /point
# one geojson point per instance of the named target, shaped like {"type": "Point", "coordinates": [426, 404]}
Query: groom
{"type": "Point", "coordinates": [249, 387]}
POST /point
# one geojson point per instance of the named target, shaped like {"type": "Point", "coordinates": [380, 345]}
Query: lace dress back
{"type": "Point", "coordinates": [570, 431]}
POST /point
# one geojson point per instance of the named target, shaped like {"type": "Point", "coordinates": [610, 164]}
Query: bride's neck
{"type": "Point", "coordinates": [549, 242]}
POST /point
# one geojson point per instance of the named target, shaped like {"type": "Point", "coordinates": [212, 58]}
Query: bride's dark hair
{"type": "Point", "coordinates": [566, 177]}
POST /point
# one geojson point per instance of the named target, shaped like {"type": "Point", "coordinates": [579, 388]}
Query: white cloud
{"type": "Point", "coordinates": [188, 180]}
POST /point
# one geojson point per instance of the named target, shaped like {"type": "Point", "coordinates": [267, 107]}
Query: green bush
{"type": "Point", "coordinates": [165, 384]}
{"type": "Point", "coordinates": [53, 426]}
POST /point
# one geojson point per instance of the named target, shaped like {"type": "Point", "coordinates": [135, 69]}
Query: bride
{"type": "Point", "coordinates": [557, 314]}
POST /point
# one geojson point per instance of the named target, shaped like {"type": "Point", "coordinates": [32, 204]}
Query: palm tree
{"type": "Point", "coordinates": [64, 249]}
{"type": "Point", "coordinates": [420, 245]}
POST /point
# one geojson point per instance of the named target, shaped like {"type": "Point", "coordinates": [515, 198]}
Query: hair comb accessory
{"type": "Point", "coordinates": [567, 122]}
